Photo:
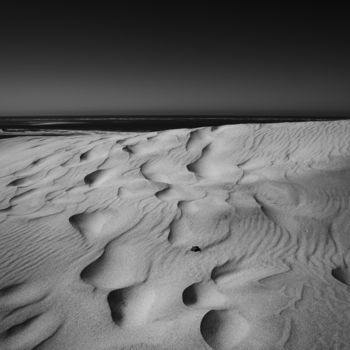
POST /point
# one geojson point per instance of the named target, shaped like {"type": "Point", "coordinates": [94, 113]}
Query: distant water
{"type": "Point", "coordinates": [137, 123]}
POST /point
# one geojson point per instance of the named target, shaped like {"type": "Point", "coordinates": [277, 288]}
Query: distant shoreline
{"type": "Point", "coordinates": [140, 123]}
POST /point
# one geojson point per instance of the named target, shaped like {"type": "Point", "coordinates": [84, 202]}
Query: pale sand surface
{"type": "Point", "coordinates": [96, 232]}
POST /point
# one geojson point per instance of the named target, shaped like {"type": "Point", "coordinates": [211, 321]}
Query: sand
{"type": "Point", "coordinates": [233, 237]}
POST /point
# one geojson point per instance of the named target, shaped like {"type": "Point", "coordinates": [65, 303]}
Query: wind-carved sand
{"type": "Point", "coordinates": [234, 237]}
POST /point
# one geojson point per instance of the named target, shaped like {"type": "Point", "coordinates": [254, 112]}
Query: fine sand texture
{"type": "Point", "coordinates": [233, 237]}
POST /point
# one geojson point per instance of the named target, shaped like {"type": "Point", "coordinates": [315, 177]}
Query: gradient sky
{"type": "Point", "coordinates": [170, 61]}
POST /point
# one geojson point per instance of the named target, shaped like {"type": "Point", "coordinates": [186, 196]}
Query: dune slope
{"type": "Point", "coordinates": [233, 237]}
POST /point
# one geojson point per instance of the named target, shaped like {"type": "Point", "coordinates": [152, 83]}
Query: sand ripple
{"type": "Point", "coordinates": [234, 237]}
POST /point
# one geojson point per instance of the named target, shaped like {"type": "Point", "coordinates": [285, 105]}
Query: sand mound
{"type": "Point", "coordinates": [234, 237]}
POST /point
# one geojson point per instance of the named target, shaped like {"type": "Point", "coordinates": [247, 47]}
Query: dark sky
{"type": "Point", "coordinates": [66, 60]}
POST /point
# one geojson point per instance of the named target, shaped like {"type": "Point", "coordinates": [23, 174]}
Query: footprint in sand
{"type": "Point", "coordinates": [224, 329]}
{"type": "Point", "coordinates": [102, 226]}
{"type": "Point", "coordinates": [201, 222]}
{"type": "Point", "coordinates": [97, 152]}
{"type": "Point", "coordinates": [90, 224]}
{"type": "Point", "coordinates": [120, 265]}
{"type": "Point", "coordinates": [342, 274]}
{"type": "Point", "coordinates": [122, 271]}
{"type": "Point", "coordinates": [101, 177]}
{"type": "Point", "coordinates": [204, 295]}
{"type": "Point", "coordinates": [145, 303]}
{"type": "Point", "coordinates": [131, 306]}
{"type": "Point", "coordinates": [225, 295]}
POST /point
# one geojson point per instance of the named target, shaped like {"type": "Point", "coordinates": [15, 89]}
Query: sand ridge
{"type": "Point", "coordinates": [231, 237]}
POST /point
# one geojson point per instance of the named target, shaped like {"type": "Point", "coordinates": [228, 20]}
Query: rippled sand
{"type": "Point", "coordinates": [236, 237]}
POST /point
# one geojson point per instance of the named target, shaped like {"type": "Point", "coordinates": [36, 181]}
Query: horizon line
{"type": "Point", "coordinates": [177, 116]}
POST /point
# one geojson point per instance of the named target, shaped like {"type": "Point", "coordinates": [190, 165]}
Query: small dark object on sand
{"type": "Point", "coordinates": [195, 249]}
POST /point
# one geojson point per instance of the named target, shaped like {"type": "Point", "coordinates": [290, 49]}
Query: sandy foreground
{"type": "Point", "coordinates": [235, 237]}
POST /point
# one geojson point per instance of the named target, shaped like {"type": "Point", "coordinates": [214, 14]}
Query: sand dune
{"type": "Point", "coordinates": [233, 237]}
